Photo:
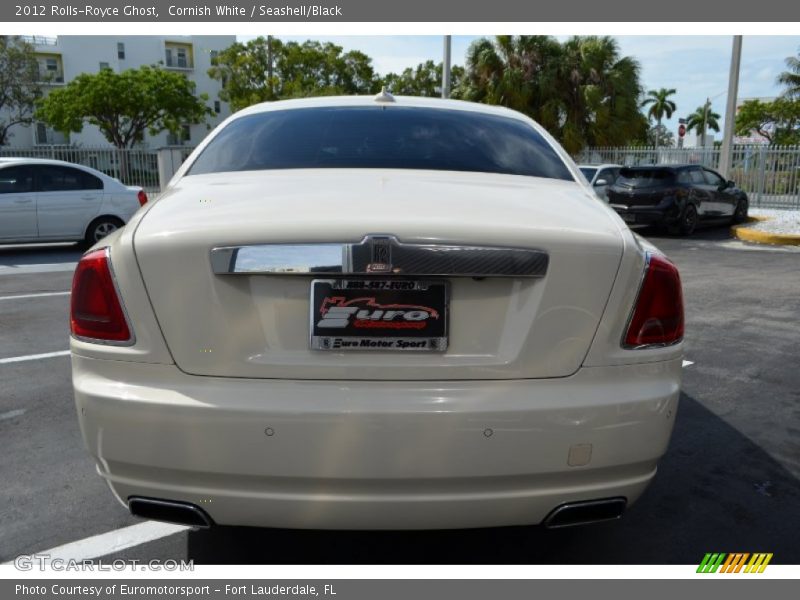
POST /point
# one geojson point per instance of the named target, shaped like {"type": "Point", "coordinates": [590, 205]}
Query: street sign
{"type": "Point", "coordinates": [681, 130]}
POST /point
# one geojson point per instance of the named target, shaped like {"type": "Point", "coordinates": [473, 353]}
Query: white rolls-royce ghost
{"type": "Point", "coordinates": [376, 313]}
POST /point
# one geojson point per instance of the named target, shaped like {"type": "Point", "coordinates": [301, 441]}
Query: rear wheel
{"type": "Point", "coordinates": [688, 222]}
{"type": "Point", "coordinates": [740, 214]}
{"type": "Point", "coordinates": [100, 228]}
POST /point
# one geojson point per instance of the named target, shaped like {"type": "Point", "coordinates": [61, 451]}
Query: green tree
{"type": "Point", "coordinates": [778, 121]}
{"type": "Point", "coordinates": [660, 137]}
{"type": "Point", "coordinates": [20, 84]}
{"type": "Point", "coordinates": [266, 69]}
{"type": "Point", "coordinates": [791, 77]}
{"type": "Point", "coordinates": [703, 115]}
{"type": "Point", "coordinates": [246, 72]}
{"type": "Point", "coordinates": [514, 71]}
{"type": "Point", "coordinates": [582, 91]}
{"type": "Point", "coordinates": [660, 106]}
{"type": "Point", "coordinates": [126, 105]}
{"type": "Point", "coordinates": [424, 80]}
{"type": "Point", "coordinates": [316, 69]}
{"type": "Point", "coordinates": [602, 92]}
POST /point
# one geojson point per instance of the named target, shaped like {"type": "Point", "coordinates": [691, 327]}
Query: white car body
{"type": "Point", "coordinates": [31, 213]}
{"type": "Point", "coordinates": [601, 177]}
{"type": "Point", "coordinates": [217, 406]}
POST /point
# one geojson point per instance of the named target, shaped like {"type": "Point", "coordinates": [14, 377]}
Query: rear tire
{"type": "Point", "coordinates": [740, 214]}
{"type": "Point", "coordinates": [688, 222]}
{"type": "Point", "coordinates": [100, 228]}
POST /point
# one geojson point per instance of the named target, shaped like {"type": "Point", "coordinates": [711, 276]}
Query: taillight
{"type": "Point", "coordinates": [142, 198]}
{"type": "Point", "coordinates": [95, 309]}
{"type": "Point", "coordinates": [657, 319]}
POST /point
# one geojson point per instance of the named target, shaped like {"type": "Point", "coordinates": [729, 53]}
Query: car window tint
{"type": "Point", "coordinates": [644, 178]}
{"type": "Point", "coordinates": [684, 177]}
{"type": "Point", "coordinates": [53, 178]}
{"type": "Point", "coordinates": [588, 172]}
{"type": "Point", "coordinates": [712, 178]}
{"type": "Point", "coordinates": [381, 137]}
{"type": "Point", "coordinates": [696, 176]}
{"type": "Point", "coordinates": [16, 180]}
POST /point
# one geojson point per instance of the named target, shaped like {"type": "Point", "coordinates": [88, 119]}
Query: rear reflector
{"type": "Point", "coordinates": [95, 311]}
{"type": "Point", "coordinates": [142, 198]}
{"type": "Point", "coordinates": [658, 317]}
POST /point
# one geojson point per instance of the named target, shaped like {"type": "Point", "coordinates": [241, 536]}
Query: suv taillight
{"type": "Point", "coordinates": [95, 309]}
{"type": "Point", "coordinates": [142, 198]}
{"type": "Point", "coordinates": [657, 319]}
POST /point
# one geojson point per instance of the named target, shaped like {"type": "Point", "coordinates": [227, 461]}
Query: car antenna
{"type": "Point", "coordinates": [384, 96]}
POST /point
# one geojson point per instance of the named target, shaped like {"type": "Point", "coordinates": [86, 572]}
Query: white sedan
{"type": "Point", "coordinates": [44, 200]}
{"type": "Point", "coordinates": [376, 313]}
{"type": "Point", "coordinates": [600, 177]}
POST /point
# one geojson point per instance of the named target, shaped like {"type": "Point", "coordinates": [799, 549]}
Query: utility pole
{"type": "Point", "coordinates": [726, 154]}
{"type": "Point", "coordinates": [446, 68]}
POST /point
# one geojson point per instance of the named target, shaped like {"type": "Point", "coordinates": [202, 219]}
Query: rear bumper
{"type": "Point", "coordinates": [666, 212]}
{"type": "Point", "coordinates": [375, 454]}
{"type": "Point", "coordinates": [646, 216]}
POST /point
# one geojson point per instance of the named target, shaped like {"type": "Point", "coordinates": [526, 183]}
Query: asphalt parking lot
{"type": "Point", "coordinates": [728, 483]}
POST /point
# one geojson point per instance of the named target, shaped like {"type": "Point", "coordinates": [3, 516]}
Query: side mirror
{"type": "Point", "coordinates": [730, 183]}
{"type": "Point", "coordinates": [600, 183]}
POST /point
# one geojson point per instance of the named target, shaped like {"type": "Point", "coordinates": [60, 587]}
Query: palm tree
{"type": "Point", "coordinates": [582, 91]}
{"type": "Point", "coordinates": [791, 78]}
{"type": "Point", "coordinates": [660, 106]}
{"type": "Point", "coordinates": [703, 116]}
{"type": "Point", "coordinates": [509, 71]}
{"type": "Point", "coordinates": [599, 92]}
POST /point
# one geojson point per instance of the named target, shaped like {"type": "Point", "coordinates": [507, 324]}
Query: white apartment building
{"type": "Point", "coordinates": [67, 56]}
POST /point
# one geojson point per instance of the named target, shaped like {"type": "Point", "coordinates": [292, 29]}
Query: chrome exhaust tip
{"type": "Point", "coordinates": [170, 511]}
{"type": "Point", "coordinates": [585, 512]}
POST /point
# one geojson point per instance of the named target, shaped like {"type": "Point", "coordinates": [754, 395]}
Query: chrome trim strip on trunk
{"type": "Point", "coordinates": [380, 255]}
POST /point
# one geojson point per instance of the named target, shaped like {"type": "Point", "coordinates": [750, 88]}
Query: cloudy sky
{"type": "Point", "coordinates": [697, 66]}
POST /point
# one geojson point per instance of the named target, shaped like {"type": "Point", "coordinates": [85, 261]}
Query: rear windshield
{"type": "Point", "coordinates": [380, 138]}
{"type": "Point", "coordinates": [643, 178]}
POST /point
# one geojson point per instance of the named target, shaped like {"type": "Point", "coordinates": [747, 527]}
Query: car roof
{"type": "Point", "coordinates": [676, 167]}
{"type": "Point", "coordinates": [15, 160]}
{"type": "Point", "coordinates": [381, 99]}
{"type": "Point", "coordinates": [41, 161]}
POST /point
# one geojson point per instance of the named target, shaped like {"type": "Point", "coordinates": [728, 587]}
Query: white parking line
{"type": "Point", "coordinates": [37, 268]}
{"type": "Point", "coordinates": [113, 541]}
{"type": "Point", "coordinates": [15, 359]}
{"type": "Point", "coordinates": [11, 414]}
{"type": "Point", "coordinates": [687, 363]}
{"type": "Point", "coordinates": [38, 295]}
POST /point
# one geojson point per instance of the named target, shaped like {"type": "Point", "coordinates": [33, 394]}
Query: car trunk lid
{"type": "Point", "coordinates": [258, 326]}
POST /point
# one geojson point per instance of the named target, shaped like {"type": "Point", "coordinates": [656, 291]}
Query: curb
{"type": "Point", "coordinates": [744, 233]}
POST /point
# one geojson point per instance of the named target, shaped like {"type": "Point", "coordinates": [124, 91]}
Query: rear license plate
{"type": "Point", "coordinates": [628, 218]}
{"type": "Point", "coordinates": [378, 314]}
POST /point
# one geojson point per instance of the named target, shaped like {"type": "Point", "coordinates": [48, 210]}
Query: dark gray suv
{"type": "Point", "coordinates": [677, 197]}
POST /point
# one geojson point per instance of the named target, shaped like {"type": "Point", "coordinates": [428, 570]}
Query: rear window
{"type": "Point", "coordinates": [380, 138]}
{"type": "Point", "coordinates": [16, 180]}
{"type": "Point", "coordinates": [643, 178]}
